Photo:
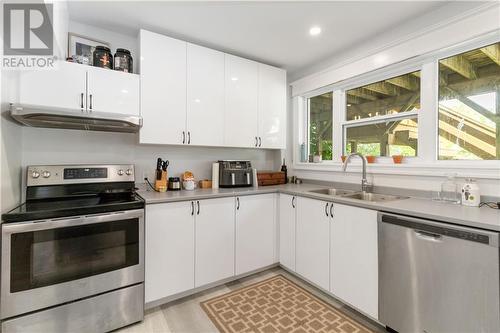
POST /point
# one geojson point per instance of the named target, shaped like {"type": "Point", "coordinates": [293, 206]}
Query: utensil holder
{"type": "Point", "coordinates": [161, 184]}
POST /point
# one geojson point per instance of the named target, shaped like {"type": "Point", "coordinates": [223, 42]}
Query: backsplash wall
{"type": "Point", "coordinates": [56, 146]}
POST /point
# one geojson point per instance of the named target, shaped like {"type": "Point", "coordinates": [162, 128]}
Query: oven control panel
{"type": "Point", "coordinates": [38, 175]}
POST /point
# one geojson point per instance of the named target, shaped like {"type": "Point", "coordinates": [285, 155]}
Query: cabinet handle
{"type": "Point", "coordinates": [237, 203]}
{"type": "Point", "coordinates": [331, 210]}
{"type": "Point", "coordinates": [326, 209]}
{"type": "Point", "coordinates": [198, 211]}
{"type": "Point", "coordinates": [81, 100]}
{"type": "Point", "coordinates": [192, 208]}
{"type": "Point", "coordinates": [260, 141]}
{"type": "Point", "coordinates": [293, 202]}
{"type": "Point", "coordinates": [183, 137]}
{"type": "Point", "coordinates": [189, 138]}
{"type": "Point", "coordinates": [90, 101]}
{"type": "Point", "coordinates": [256, 141]}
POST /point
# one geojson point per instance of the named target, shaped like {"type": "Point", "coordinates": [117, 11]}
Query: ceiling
{"type": "Point", "coordinates": [276, 33]}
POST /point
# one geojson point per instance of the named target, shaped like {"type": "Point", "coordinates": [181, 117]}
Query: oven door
{"type": "Point", "coordinates": [46, 263]}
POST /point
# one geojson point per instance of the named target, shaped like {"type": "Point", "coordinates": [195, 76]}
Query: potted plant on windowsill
{"type": "Point", "coordinates": [371, 158]}
{"type": "Point", "coordinates": [397, 159]}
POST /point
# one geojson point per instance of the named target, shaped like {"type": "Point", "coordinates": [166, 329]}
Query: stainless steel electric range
{"type": "Point", "coordinates": [73, 254]}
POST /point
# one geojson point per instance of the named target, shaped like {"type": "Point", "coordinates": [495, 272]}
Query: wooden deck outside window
{"type": "Point", "coordinates": [469, 105]}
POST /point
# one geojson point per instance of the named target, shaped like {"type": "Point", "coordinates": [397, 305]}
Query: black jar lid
{"type": "Point", "coordinates": [174, 179]}
{"type": "Point", "coordinates": [123, 51]}
{"type": "Point", "coordinates": [103, 48]}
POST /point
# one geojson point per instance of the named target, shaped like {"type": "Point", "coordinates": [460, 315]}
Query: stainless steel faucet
{"type": "Point", "coordinates": [365, 187]}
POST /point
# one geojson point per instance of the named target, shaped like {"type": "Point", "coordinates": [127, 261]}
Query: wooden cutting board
{"type": "Point", "coordinates": [270, 178]}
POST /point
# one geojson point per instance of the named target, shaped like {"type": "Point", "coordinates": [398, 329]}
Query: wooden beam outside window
{"type": "Point", "coordinates": [383, 88]}
{"type": "Point", "coordinates": [460, 65]}
{"type": "Point", "coordinates": [493, 52]}
{"type": "Point", "coordinates": [408, 82]}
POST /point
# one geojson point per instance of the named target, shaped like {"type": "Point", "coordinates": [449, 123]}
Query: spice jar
{"type": "Point", "coordinates": [123, 61]}
{"type": "Point", "coordinates": [102, 57]}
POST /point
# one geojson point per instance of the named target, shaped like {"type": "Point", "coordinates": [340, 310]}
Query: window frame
{"type": "Point", "coordinates": [383, 75]}
{"type": "Point", "coordinates": [427, 161]}
{"type": "Point", "coordinates": [308, 123]}
{"type": "Point", "coordinates": [451, 53]}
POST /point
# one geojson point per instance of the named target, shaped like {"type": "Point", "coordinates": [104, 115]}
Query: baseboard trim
{"type": "Point", "coordinates": [191, 292]}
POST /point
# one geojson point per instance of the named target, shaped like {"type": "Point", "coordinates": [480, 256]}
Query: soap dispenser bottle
{"type": "Point", "coordinates": [470, 193]}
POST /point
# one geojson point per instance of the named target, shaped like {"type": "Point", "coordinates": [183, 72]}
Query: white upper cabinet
{"type": "Point", "coordinates": [112, 91]}
{"type": "Point", "coordinates": [78, 87]}
{"type": "Point", "coordinates": [313, 241]}
{"type": "Point", "coordinates": [214, 240]}
{"type": "Point", "coordinates": [255, 232]}
{"type": "Point", "coordinates": [354, 257]}
{"type": "Point", "coordinates": [198, 96]}
{"type": "Point", "coordinates": [62, 87]}
{"type": "Point", "coordinates": [163, 89]}
{"type": "Point", "coordinates": [287, 220]}
{"type": "Point", "coordinates": [205, 96]}
{"type": "Point", "coordinates": [241, 102]}
{"type": "Point", "coordinates": [272, 107]}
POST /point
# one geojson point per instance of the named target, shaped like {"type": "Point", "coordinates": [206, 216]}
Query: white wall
{"type": "Point", "coordinates": [56, 146]}
{"type": "Point", "coordinates": [11, 151]}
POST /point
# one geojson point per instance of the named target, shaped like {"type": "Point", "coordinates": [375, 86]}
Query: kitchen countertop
{"type": "Point", "coordinates": [484, 217]}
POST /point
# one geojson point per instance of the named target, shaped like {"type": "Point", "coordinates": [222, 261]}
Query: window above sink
{"type": "Point", "coordinates": [364, 120]}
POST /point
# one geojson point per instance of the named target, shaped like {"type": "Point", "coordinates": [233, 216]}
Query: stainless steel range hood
{"type": "Point", "coordinates": [38, 116]}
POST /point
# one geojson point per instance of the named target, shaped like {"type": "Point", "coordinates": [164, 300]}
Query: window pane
{"type": "Point", "coordinates": [391, 96]}
{"type": "Point", "coordinates": [397, 137]}
{"type": "Point", "coordinates": [469, 111]}
{"type": "Point", "coordinates": [320, 125]}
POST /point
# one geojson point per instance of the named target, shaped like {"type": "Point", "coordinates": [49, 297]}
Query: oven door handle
{"type": "Point", "coordinates": [56, 223]}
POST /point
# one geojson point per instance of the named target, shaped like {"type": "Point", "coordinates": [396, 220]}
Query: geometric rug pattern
{"type": "Point", "coordinates": [277, 305]}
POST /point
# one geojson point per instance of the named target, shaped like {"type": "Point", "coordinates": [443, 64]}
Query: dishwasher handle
{"type": "Point", "coordinates": [434, 230]}
{"type": "Point", "coordinates": [428, 236]}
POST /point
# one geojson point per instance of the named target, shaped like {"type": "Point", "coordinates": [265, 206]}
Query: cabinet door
{"type": "Point", "coordinates": [112, 91]}
{"type": "Point", "coordinates": [354, 257]}
{"type": "Point", "coordinates": [287, 219]}
{"type": "Point", "coordinates": [169, 249]}
{"type": "Point", "coordinates": [163, 89]}
{"type": "Point", "coordinates": [205, 96]}
{"type": "Point", "coordinates": [313, 241]}
{"type": "Point", "coordinates": [214, 240]}
{"type": "Point", "coordinates": [241, 102]}
{"type": "Point", "coordinates": [272, 106]}
{"type": "Point", "coordinates": [255, 232]}
{"type": "Point", "coordinates": [62, 87]}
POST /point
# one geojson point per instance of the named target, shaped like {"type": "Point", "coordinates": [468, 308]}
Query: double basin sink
{"type": "Point", "coordinates": [362, 196]}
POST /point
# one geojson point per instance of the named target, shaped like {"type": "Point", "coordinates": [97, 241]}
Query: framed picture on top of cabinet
{"type": "Point", "coordinates": [81, 48]}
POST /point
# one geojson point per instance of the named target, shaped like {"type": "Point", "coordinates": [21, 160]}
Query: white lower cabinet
{"type": "Point", "coordinates": [354, 257]}
{"type": "Point", "coordinates": [169, 249]}
{"type": "Point", "coordinates": [287, 219]}
{"type": "Point", "coordinates": [191, 244]}
{"type": "Point", "coordinates": [214, 240]}
{"type": "Point", "coordinates": [313, 241]}
{"type": "Point", "coordinates": [255, 232]}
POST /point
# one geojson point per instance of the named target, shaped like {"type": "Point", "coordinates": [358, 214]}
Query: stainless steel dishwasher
{"type": "Point", "coordinates": [436, 277]}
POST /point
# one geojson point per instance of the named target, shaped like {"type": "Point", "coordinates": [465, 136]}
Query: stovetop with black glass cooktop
{"type": "Point", "coordinates": [66, 207]}
{"type": "Point", "coordinates": [66, 191]}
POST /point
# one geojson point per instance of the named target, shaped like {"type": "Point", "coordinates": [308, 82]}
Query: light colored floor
{"type": "Point", "coordinates": [186, 315]}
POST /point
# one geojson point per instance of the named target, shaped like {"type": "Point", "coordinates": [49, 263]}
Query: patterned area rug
{"type": "Point", "coordinates": [277, 305]}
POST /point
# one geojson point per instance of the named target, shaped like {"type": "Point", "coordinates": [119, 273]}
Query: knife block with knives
{"type": "Point", "coordinates": [161, 175]}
